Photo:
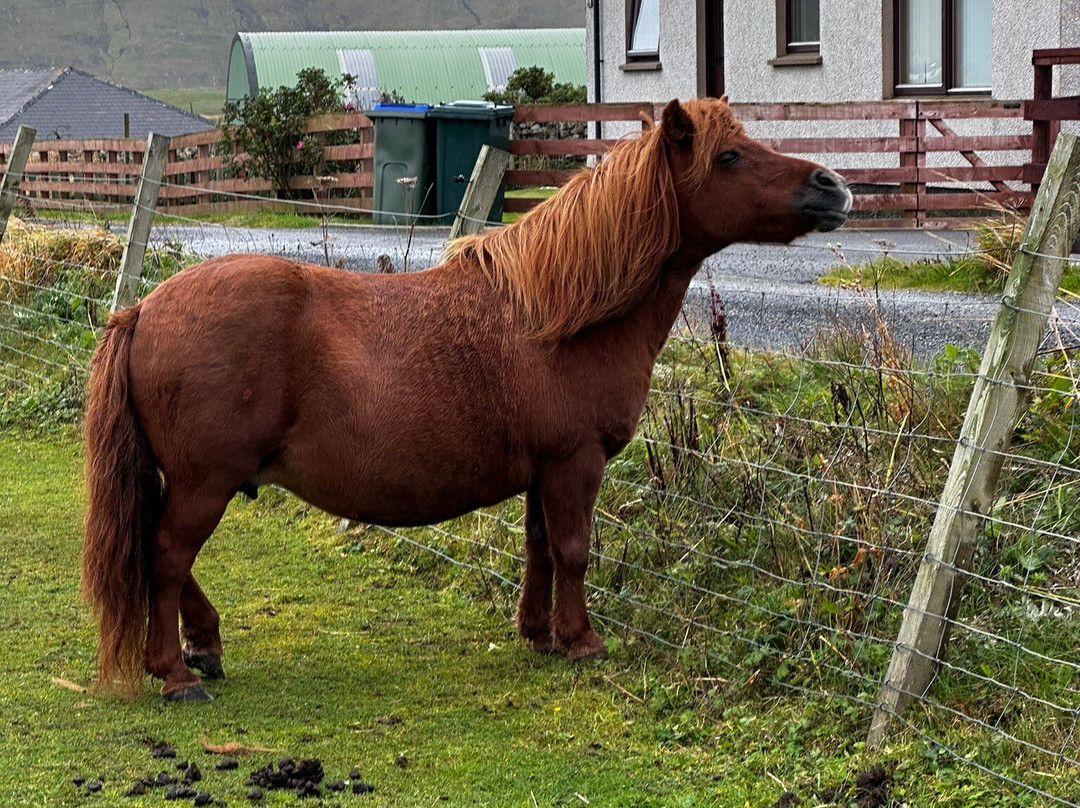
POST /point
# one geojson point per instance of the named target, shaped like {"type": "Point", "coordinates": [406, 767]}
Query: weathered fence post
{"type": "Point", "coordinates": [142, 217]}
{"type": "Point", "coordinates": [487, 176]}
{"type": "Point", "coordinates": [13, 171]}
{"type": "Point", "coordinates": [1000, 396]}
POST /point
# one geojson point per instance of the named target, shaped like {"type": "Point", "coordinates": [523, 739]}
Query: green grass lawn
{"type": "Point", "coordinates": [339, 646]}
{"type": "Point", "coordinates": [269, 220]}
{"type": "Point", "coordinates": [983, 272]}
{"type": "Point", "coordinates": [323, 645]}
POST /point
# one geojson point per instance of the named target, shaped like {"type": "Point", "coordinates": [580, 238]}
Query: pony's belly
{"type": "Point", "coordinates": [409, 492]}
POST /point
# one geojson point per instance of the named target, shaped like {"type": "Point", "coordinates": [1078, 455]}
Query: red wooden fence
{"type": "Point", "coordinates": [1046, 112]}
{"type": "Point", "coordinates": [909, 192]}
{"type": "Point", "coordinates": [106, 172]}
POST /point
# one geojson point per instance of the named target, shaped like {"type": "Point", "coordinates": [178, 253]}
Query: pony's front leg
{"type": "Point", "coordinates": [534, 608]}
{"type": "Point", "coordinates": [568, 493]}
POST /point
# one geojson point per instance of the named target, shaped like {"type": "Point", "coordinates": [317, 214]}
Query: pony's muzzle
{"type": "Point", "coordinates": [826, 202]}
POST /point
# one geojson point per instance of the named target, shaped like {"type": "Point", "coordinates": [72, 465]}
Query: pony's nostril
{"type": "Point", "coordinates": [825, 180]}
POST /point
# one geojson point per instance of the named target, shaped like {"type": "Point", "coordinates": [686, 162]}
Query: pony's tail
{"type": "Point", "coordinates": [125, 499]}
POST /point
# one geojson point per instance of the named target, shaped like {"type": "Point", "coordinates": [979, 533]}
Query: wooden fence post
{"type": "Point", "coordinates": [13, 171]}
{"type": "Point", "coordinates": [999, 398]}
{"type": "Point", "coordinates": [487, 176]}
{"type": "Point", "coordinates": [142, 217]}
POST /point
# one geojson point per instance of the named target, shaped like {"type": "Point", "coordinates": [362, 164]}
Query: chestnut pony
{"type": "Point", "coordinates": [519, 364]}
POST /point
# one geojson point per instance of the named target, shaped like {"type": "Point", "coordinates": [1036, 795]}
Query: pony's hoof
{"type": "Point", "coordinates": [209, 666]}
{"type": "Point", "coordinates": [599, 655]}
{"type": "Point", "coordinates": [545, 644]}
{"type": "Point", "coordinates": [188, 693]}
{"type": "Point", "coordinates": [583, 651]}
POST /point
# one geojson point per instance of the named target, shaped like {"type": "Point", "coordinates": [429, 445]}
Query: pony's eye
{"type": "Point", "coordinates": [726, 159]}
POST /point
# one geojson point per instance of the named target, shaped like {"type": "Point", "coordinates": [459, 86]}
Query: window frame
{"type": "Point", "coordinates": [786, 52]}
{"type": "Point", "coordinates": [948, 57]}
{"type": "Point", "coordinates": [641, 60]}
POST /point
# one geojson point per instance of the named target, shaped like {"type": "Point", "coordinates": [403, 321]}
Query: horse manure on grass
{"type": "Point", "coordinates": [137, 789]}
{"type": "Point", "coordinates": [303, 777]}
{"type": "Point", "coordinates": [871, 790]}
{"type": "Point", "coordinates": [159, 749]}
{"type": "Point", "coordinates": [180, 792]}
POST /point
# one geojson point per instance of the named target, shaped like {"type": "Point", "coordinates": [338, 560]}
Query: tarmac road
{"type": "Point", "coordinates": [770, 291]}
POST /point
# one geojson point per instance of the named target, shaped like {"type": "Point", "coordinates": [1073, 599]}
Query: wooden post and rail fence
{"type": "Point", "coordinates": [916, 163]}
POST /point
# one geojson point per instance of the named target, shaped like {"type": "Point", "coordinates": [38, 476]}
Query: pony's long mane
{"type": "Point", "coordinates": [594, 249]}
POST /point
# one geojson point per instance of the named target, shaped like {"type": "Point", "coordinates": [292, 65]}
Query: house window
{"type": "Point", "coordinates": [798, 32]}
{"type": "Point", "coordinates": [943, 46]}
{"type": "Point", "coordinates": [803, 26]}
{"type": "Point", "coordinates": [643, 30]}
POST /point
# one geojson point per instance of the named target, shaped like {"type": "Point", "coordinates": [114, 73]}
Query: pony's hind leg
{"type": "Point", "coordinates": [188, 520]}
{"type": "Point", "coordinates": [199, 631]}
{"type": "Point", "coordinates": [534, 608]}
{"type": "Point", "coordinates": [569, 490]}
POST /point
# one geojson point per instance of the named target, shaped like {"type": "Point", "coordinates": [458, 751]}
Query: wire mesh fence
{"type": "Point", "coordinates": [762, 533]}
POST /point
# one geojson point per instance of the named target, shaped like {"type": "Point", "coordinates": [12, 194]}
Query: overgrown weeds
{"type": "Point", "coordinates": [56, 284]}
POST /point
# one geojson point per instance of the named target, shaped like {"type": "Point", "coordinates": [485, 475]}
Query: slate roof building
{"type": "Point", "coordinates": [424, 67]}
{"type": "Point", "coordinates": [66, 103]}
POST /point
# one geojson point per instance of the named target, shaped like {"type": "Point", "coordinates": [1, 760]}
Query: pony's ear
{"type": "Point", "coordinates": [723, 99]}
{"type": "Point", "coordinates": [676, 124]}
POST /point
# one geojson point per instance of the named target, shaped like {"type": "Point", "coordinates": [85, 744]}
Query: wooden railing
{"type": "Point", "coordinates": [917, 192]}
{"type": "Point", "coordinates": [899, 173]}
{"type": "Point", "coordinates": [106, 172]}
{"type": "Point", "coordinates": [1046, 112]}
{"type": "Point", "coordinates": [194, 173]}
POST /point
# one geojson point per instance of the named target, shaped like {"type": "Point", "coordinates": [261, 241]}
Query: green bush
{"type": "Point", "coordinates": [264, 135]}
{"type": "Point", "coordinates": [534, 85]}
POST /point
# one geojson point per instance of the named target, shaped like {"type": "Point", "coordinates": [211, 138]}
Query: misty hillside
{"type": "Point", "coordinates": [151, 44]}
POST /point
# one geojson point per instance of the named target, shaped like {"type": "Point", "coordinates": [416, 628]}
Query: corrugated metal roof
{"type": "Point", "coordinates": [360, 64]}
{"type": "Point", "coordinates": [499, 66]}
{"type": "Point", "coordinates": [422, 66]}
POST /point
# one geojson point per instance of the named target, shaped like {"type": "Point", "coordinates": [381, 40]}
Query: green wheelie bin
{"type": "Point", "coordinates": [462, 128]}
{"type": "Point", "coordinates": [404, 170]}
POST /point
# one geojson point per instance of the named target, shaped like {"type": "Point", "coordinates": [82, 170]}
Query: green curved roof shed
{"type": "Point", "coordinates": [424, 67]}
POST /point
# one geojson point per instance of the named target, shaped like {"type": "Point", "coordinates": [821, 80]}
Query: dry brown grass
{"type": "Point", "coordinates": [999, 240]}
{"type": "Point", "coordinates": [35, 256]}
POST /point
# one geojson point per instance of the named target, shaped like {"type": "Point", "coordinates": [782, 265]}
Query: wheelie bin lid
{"type": "Point", "coordinates": [387, 110]}
{"type": "Point", "coordinates": [484, 110]}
